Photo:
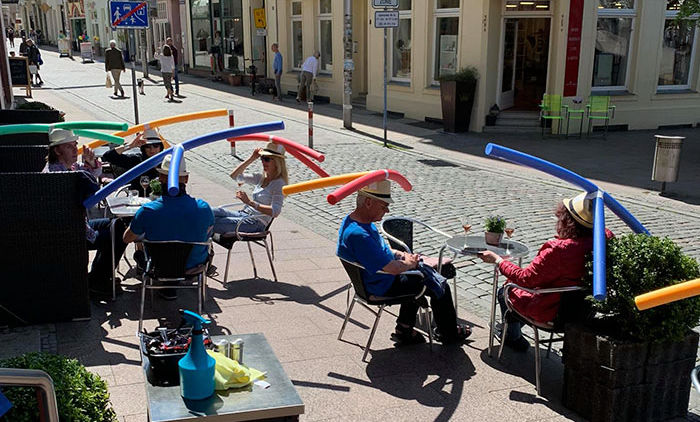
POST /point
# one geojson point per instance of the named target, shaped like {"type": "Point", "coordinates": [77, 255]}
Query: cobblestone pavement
{"type": "Point", "coordinates": [446, 183]}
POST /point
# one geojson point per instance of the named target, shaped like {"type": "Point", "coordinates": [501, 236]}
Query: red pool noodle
{"type": "Point", "coordinates": [375, 176]}
{"type": "Point", "coordinates": [286, 142]}
{"type": "Point", "coordinates": [310, 164]}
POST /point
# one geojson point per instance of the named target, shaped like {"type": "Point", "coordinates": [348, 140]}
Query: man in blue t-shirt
{"type": "Point", "coordinates": [359, 241]}
{"type": "Point", "coordinates": [180, 217]}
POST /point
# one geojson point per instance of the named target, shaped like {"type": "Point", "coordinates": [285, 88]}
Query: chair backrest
{"type": "Point", "coordinates": [354, 271]}
{"type": "Point", "coordinates": [401, 229]}
{"type": "Point", "coordinates": [25, 139]}
{"type": "Point", "coordinates": [21, 158]}
{"type": "Point", "coordinates": [599, 103]}
{"type": "Point", "coordinates": [167, 258]}
{"type": "Point", "coordinates": [573, 307]}
{"type": "Point", "coordinates": [551, 103]}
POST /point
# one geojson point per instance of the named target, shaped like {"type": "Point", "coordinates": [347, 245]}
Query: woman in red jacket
{"type": "Point", "coordinates": [560, 262]}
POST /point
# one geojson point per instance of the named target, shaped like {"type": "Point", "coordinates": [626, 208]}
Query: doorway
{"type": "Point", "coordinates": [525, 58]}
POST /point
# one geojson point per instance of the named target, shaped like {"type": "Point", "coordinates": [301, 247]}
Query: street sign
{"type": "Point", "coordinates": [378, 4]}
{"type": "Point", "coordinates": [386, 19]}
{"type": "Point", "coordinates": [129, 14]}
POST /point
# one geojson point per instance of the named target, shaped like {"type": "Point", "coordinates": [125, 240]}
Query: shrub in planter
{"type": "Point", "coordinates": [457, 93]}
{"type": "Point", "coordinates": [81, 395]}
{"type": "Point", "coordinates": [631, 364]}
{"type": "Point", "coordinates": [494, 227]}
{"type": "Point", "coordinates": [31, 112]}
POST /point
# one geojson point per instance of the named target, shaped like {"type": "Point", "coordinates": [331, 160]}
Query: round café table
{"type": "Point", "coordinates": [472, 245]}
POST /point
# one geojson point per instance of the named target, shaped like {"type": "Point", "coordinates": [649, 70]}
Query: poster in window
{"type": "Point", "coordinates": [448, 54]}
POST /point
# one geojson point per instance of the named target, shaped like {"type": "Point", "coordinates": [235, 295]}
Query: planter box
{"type": "Point", "coordinates": [234, 80]}
{"type": "Point", "coordinates": [456, 112]}
{"type": "Point", "coordinates": [611, 380]}
{"type": "Point", "coordinates": [11, 117]}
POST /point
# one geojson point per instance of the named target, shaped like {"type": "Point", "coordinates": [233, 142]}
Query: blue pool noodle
{"type": "Point", "coordinates": [599, 283]}
{"type": "Point", "coordinates": [146, 165]}
{"type": "Point", "coordinates": [174, 171]}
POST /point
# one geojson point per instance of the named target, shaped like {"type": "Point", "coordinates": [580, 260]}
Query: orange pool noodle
{"type": "Point", "coordinates": [668, 294]}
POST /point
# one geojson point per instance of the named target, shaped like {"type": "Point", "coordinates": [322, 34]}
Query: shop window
{"type": "Point", "coordinates": [297, 46]}
{"type": "Point", "coordinates": [677, 49]}
{"type": "Point", "coordinates": [401, 44]}
{"type": "Point", "coordinates": [613, 44]}
{"type": "Point", "coordinates": [446, 47]}
{"type": "Point", "coordinates": [201, 32]}
{"type": "Point", "coordinates": [325, 35]}
{"type": "Point", "coordinates": [232, 24]}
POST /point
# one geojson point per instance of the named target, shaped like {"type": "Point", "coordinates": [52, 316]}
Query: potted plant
{"type": "Point", "coordinates": [235, 78]}
{"type": "Point", "coordinates": [634, 365]}
{"type": "Point", "coordinates": [457, 96]}
{"type": "Point", "coordinates": [494, 227]}
{"type": "Point", "coordinates": [156, 189]}
{"type": "Point", "coordinates": [81, 395]}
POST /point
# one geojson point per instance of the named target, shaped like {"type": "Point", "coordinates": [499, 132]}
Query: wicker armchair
{"type": "Point", "coordinates": [44, 252]}
{"type": "Point", "coordinates": [20, 158]}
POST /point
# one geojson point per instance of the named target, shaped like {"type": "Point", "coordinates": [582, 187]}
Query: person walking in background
{"type": "Point", "coordinates": [114, 63]}
{"type": "Point", "coordinates": [309, 71]}
{"type": "Point", "coordinates": [277, 68]}
{"type": "Point", "coordinates": [11, 37]}
{"type": "Point", "coordinates": [173, 50]}
{"type": "Point", "coordinates": [167, 65]}
{"type": "Point", "coordinates": [23, 47]}
{"type": "Point", "coordinates": [34, 58]}
{"type": "Point", "coordinates": [22, 33]}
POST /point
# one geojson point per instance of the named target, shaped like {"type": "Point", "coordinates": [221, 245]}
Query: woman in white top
{"type": "Point", "coordinates": [167, 66]}
{"type": "Point", "coordinates": [267, 200]}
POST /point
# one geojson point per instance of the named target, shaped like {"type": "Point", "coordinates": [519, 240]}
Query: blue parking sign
{"type": "Point", "coordinates": [128, 14]}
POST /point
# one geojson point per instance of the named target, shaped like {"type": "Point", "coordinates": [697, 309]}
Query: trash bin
{"type": "Point", "coordinates": [667, 158]}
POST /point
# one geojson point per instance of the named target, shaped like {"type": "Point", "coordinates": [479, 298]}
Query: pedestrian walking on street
{"type": "Point", "coordinates": [167, 65]}
{"type": "Point", "coordinates": [23, 47]}
{"type": "Point", "coordinates": [277, 68]}
{"type": "Point", "coordinates": [114, 63]}
{"type": "Point", "coordinates": [11, 37]}
{"type": "Point", "coordinates": [34, 57]}
{"type": "Point", "coordinates": [309, 71]}
{"type": "Point", "coordinates": [176, 78]}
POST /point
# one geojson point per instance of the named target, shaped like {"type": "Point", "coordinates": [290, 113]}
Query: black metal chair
{"type": "Point", "coordinates": [571, 308]}
{"type": "Point", "coordinates": [354, 271]}
{"type": "Point", "coordinates": [227, 240]}
{"type": "Point", "coordinates": [165, 262]}
{"type": "Point", "coordinates": [399, 232]}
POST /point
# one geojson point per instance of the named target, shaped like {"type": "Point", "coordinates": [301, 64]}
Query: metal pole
{"type": "Point", "coordinates": [347, 65]}
{"type": "Point", "coordinates": [133, 92]}
{"type": "Point", "coordinates": [5, 77]}
{"type": "Point", "coordinates": [231, 123]}
{"type": "Point", "coordinates": [144, 55]}
{"type": "Point", "coordinates": [384, 119]}
{"type": "Point", "coordinates": [311, 123]}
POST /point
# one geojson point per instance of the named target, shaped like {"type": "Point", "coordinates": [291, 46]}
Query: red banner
{"type": "Point", "coordinates": [573, 48]}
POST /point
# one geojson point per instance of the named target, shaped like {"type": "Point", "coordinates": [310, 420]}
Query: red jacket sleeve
{"type": "Point", "coordinates": [541, 272]}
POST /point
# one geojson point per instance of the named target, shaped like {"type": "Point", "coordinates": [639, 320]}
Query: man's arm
{"type": "Point", "coordinates": [404, 263]}
{"type": "Point", "coordinates": [130, 236]}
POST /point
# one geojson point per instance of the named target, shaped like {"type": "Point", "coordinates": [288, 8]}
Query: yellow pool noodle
{"type": "Point", "coordinates": [323, 182]}
{"type": "Point", "coordinates": [668, 294]}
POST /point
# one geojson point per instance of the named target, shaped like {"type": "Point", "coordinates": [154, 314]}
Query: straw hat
{"type": "Point", "coordinates": [581, 209]}
{"type": "Point", "coordinates": [61, 136]}
{"type": "Point", "coordinates": [274, 150]}
{"type": "Point", "coordinates": [152, 136]}
{"type": "Point", "coordinates": [165, 165]}
{"type": "Point", "coordinates": [379, 190]}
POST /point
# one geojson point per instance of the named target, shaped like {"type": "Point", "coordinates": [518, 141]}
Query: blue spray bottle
{"type": "Point", "coordinates": [197, 367]}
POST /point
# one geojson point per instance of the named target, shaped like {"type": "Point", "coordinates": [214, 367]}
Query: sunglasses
{"type": "Point", "coordinates": [266, 159]}
{"type": "Point", "coordinates": [152, 146]}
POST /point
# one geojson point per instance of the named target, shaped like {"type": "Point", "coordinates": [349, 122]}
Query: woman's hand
{"type": "Point", "coordinates": [243, 197]}
{"type": "Point", "coordinates": [256, 154]}
{"type": "Point", "coordinates": [488, 256]}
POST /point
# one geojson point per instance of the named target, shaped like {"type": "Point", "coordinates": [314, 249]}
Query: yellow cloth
{"type": "Point", "coordinates": [231, 374]}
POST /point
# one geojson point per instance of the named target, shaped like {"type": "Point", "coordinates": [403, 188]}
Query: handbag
{"type": "Point", "coordinates": [38, 60]}
{"type": "Point", "coordinates": [108, 82]}
{"type": "Point", "coordinates": [33, 69]}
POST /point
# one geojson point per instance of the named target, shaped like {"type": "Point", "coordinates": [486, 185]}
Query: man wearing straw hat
{"type": "Point", "coordinates": [63, 156]}
{"type": "Point", "coordinates": [179, 217]}
{"type": "Point", "coordinates": [359, 241]}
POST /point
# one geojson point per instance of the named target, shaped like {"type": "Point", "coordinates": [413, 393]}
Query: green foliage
{"type": "Point", "coordinates": [638, 264]}
{"type": "Point", "coordinates": [688, 8]}
{"type": "Point", "coordinates": [495, 224]}
{"type": "Point", "coordinates": [465, 74]}
{"type": "Point", "coordinates": [81, 395]}
{"type": "Point", "coordinates": [156, 187]}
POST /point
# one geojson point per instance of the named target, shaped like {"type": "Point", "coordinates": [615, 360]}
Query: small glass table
{"type": "Point", "coordinates": [472, 245]}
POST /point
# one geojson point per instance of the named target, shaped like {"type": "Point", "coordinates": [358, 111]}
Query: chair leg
{"type": "Point", "coordinates": [503, 337]}
{"type": "Point", "coordinates": [272, 246]}
{"type": "Point", "coordinates": [371, 334]}
{"type": "Point", "coordinates": [269, 258]}
{"type": "Point", "coordinates": [454, 292]}
{"type": "Point", "coordinates": [537, 361]}
{"type": "Point", "coordinates": [429, 313]}
{"type": "Point", "coordinates": [200, 295]}
{"type": "Point", "coordinates": [347, 317]}
{"type": "Point", "coordinates": [143, 303]}
{"type": "Point", "coordinates": [549, 346]}
{"type": "Point", "coordinates": [228, 259]}
{"type": "Point", "coordinates": [250, 251]}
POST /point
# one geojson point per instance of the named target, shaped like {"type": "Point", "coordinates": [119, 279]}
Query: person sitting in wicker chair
{"type": "Point", "coordinates": [63, 156]}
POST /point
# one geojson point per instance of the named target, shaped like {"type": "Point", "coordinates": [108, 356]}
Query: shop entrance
{"type": "Point", "coordinates": [525, 56]}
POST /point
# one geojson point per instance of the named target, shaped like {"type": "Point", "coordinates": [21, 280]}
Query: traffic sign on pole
{"type": "Point", "coordinates": [386, 19]}
{"type": "Point", "coordinates": [128, 14]}
{"type": "Point", "coordinates": [379, 4]}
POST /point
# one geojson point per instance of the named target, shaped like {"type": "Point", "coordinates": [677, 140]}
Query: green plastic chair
{"type": "Point", "coordinates": [599, 108]}
{"type": "Point", "coordinates": [552, 108]}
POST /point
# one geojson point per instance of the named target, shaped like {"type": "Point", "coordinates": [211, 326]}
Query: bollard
{"type": "Point", "coordinates": [231, 124]}
{"type": "Point", "coordinates": [667, 159]}
{"type": "Point", "coordinates": [311, 123]}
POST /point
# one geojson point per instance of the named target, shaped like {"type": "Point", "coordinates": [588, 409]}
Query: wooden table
{"type": "Point", "coordinates": [279, 401]}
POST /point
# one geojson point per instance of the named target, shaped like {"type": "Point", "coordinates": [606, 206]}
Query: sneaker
{"type": "Point", "coordinates": [407, 336]}
{"type": "Point", "coordinates": [212, 271]}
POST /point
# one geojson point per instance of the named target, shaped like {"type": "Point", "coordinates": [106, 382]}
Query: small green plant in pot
{"type": "Point", "coordinates": [81, 396]}
{"type": "Point", "coordinates": [156, 188]}
{"type": "Point", "coordinates": [624, 353]}
{"type": "Point", "coordinates": [494, 227]}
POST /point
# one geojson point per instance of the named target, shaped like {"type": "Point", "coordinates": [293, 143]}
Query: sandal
{"type": "Point", "coordinates": [405, 336]}
{"type": "Point", "coordinates": [461, 334]}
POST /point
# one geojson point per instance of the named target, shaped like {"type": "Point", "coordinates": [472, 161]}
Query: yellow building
{"type": "Point", "coordinates": [630, 50]}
